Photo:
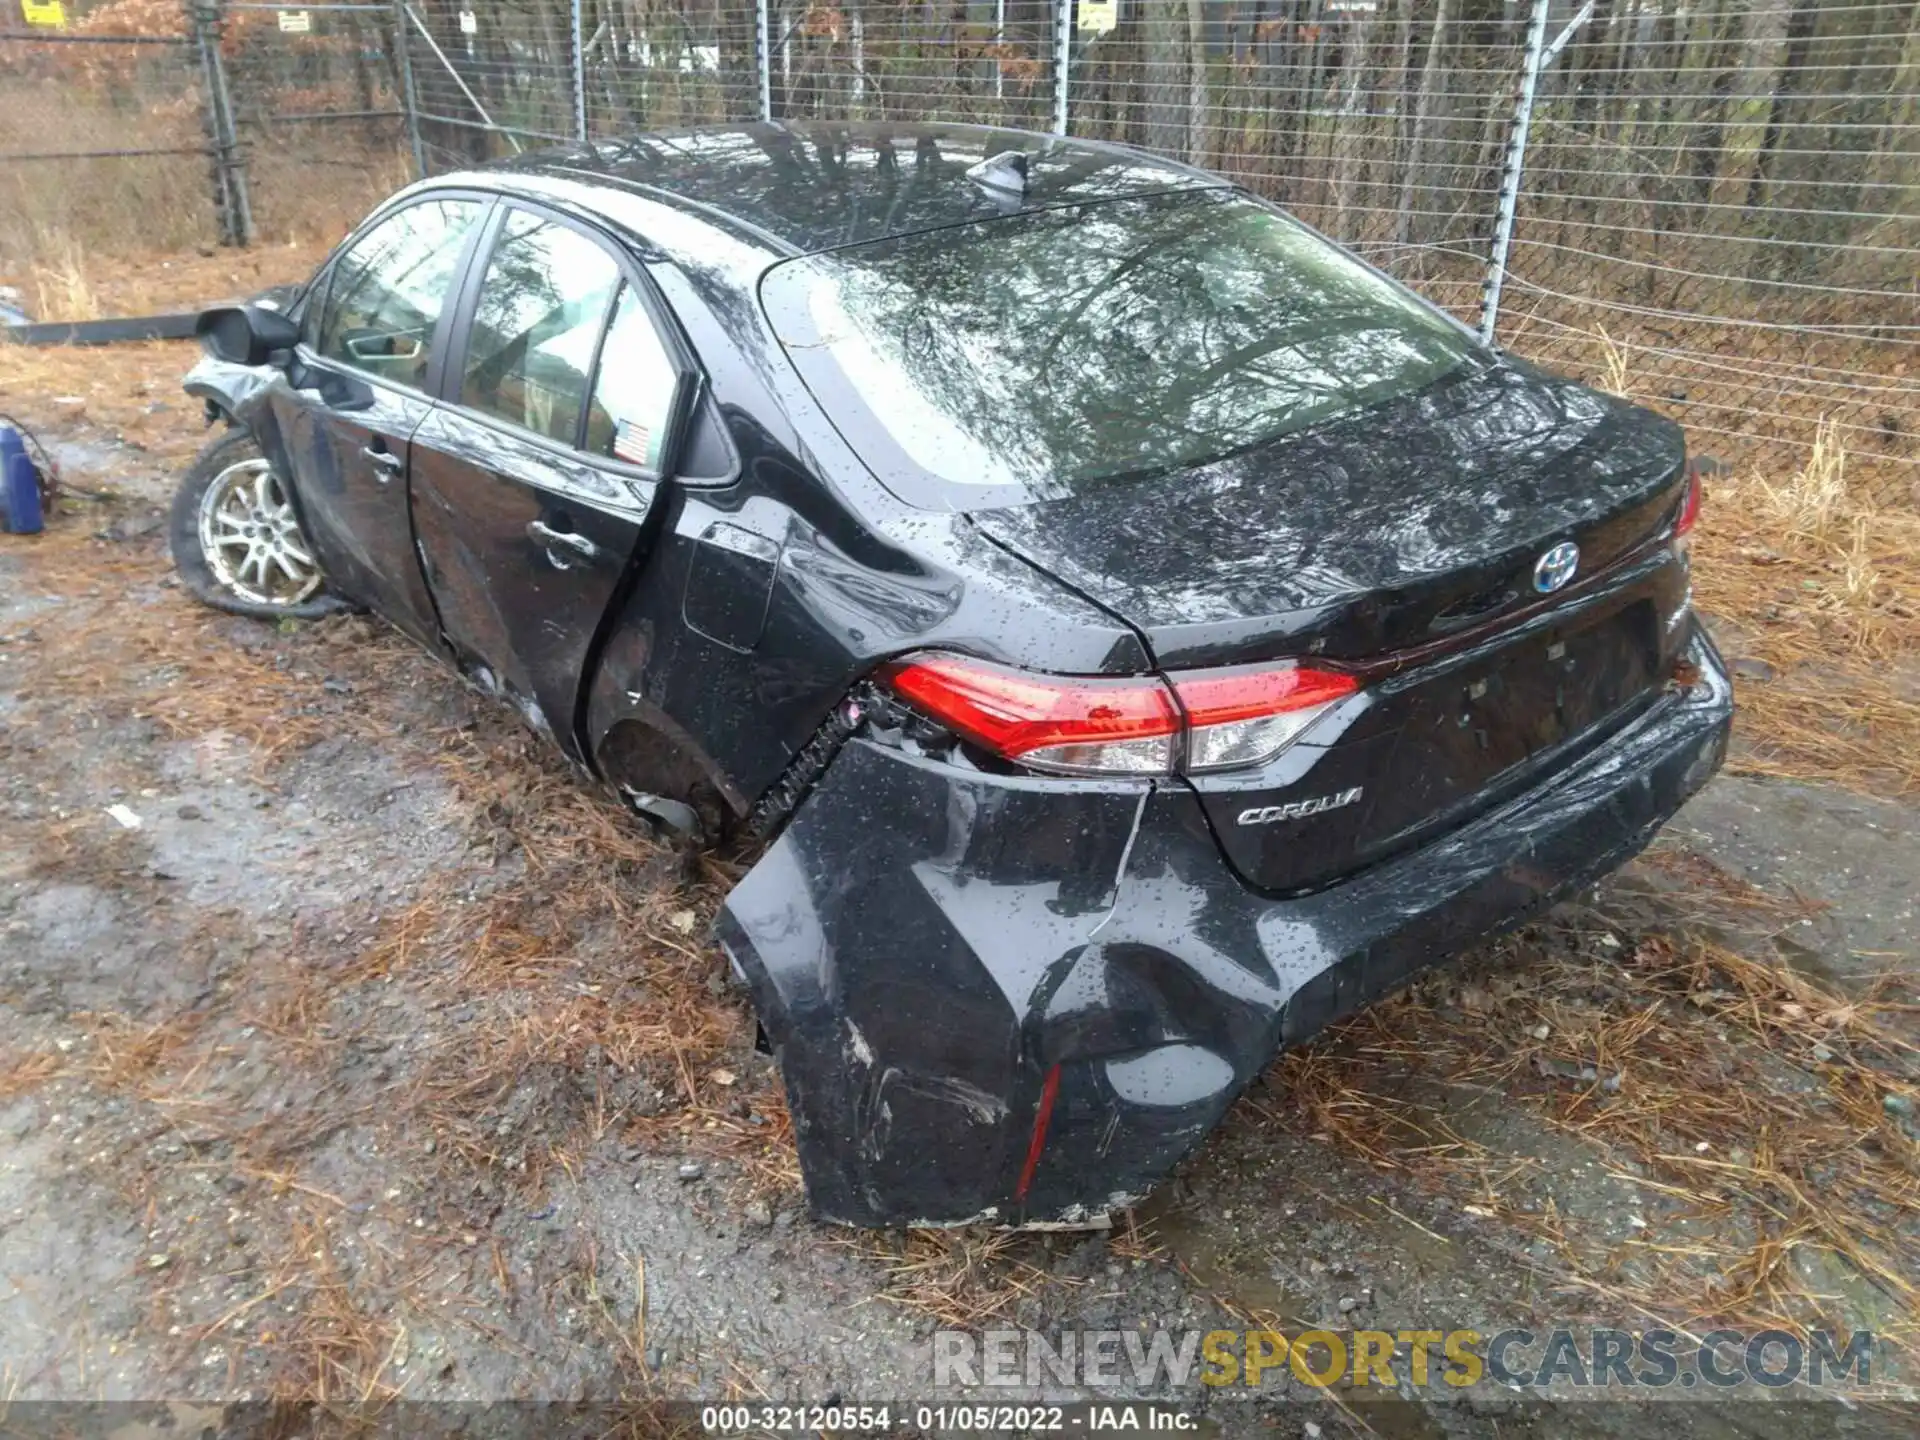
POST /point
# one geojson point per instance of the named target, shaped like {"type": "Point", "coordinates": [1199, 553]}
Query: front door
{"type": "Point", "coordinates": [361, 389]}
{"type": "Point", "coordinates": [533, 480]}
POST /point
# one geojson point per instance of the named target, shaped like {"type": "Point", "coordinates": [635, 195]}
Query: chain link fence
{"type": "Point", "coordinates": [106, 141]}
{"type": "Point", "coordinates": [500, 78]}
{"type": "Point", "coordinates": [1719, 203]}
{"type": "Point", "coordinates": [320, 114]}
{"type": "Point", "coordinates": [1706, 204]}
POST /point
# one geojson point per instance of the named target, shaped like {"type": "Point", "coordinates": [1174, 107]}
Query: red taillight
{"type": "Point", "coordinates": [1051, 721]}
{"type": "Point", "coordinates": [1085, 725]}
{"type": "Point", "coordinates": [1689, 507]}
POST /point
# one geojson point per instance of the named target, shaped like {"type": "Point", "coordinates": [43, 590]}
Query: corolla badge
{"type": "Point", "coordinates": [1298, 809]}
{"type": "Point", "coordinates": [1555, 568]}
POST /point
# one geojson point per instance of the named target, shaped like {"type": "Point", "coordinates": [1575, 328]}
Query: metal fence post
{"type": "Point", "coordinates": [577, 44]}
{"type": "Point", "coordinates": [1510, 174]}
{"type": "Point", "coordinates": [999, 59]}
{"type": "Point", "coordinates": [229, 170]}
{"type": "Point", "coordinates": [1539, 55]}
{"type": "Point", "coordinates": [763, 58]}
{"type": "Point", "coordinates": [409, 97]}
{"type": "Point", "coordinates": [453, 74]}
{"type": "Point", "coordinates": [1062, 61]}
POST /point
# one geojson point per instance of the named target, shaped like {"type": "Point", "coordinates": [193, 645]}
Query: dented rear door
{"type": "Point", "coordinates": [535, 478]}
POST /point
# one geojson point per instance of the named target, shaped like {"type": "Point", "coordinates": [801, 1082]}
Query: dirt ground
{"type": "Point", "coordinates": [352, 1054]}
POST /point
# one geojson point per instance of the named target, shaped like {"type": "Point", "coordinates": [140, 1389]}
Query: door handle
{"type": "Point", "coordinates": [547, 535]}
{"type": "Point", "coordinates": [385, 463]}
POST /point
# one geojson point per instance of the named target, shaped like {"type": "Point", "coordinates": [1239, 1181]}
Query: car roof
{"type": "Point", "coordinates": [801, 187]}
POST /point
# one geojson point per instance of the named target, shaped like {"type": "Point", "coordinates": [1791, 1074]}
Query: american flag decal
{"type": "Point", "coordinates": [633, 442]}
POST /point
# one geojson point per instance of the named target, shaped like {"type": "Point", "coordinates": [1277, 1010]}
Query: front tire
{"type": "Point", "coordinates": [236, 541]}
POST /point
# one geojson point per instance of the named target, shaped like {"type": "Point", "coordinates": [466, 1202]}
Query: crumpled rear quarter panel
{"type": "Point", "coordinates": [926, 943]}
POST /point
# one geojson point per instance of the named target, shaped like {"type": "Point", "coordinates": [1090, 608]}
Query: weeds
{"type": "Point", "coordinates": [1818, 588]}
{"type": "Point", "coordinates": [144, 213]}
{"type": "Point", "coordinates": [1862, 575]}
{"type": "Point", "coordinates": [1615, 373]}
{"type": "Point", "coordinates": [1815, 496]}
{"type": "Point", "coordinates": [60, 288]}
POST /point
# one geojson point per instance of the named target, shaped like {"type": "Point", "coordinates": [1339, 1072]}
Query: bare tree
{"type": "Point", "coordinates": [1412, 173]}
{"type": "Point", "coordinates": [1197, 109]}
{"type": "Point", "coordinates": [1165, 37]}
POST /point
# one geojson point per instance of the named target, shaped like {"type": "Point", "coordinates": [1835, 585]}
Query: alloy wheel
{"type": "Point", "coordinates": [251, 538]}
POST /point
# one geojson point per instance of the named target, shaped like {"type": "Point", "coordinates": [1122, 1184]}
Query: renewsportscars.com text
{"type": "Point", "coordinates": [1551, 1359]}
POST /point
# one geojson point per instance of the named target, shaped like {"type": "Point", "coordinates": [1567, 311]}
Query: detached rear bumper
{"type": "Point", "coordinates": [941, 956]}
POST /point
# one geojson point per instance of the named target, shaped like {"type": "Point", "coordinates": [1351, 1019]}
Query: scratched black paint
{"type": "Point", "coordinates": [924, 943]}
{"type": "Point", "coordinates": [931, 932]}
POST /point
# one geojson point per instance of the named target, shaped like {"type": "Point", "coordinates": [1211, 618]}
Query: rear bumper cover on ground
{"type": "Point", "coordinates": [942, 956]}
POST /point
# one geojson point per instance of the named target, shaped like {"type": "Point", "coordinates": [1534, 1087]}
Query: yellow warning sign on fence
{"type": "Point", "coordinates": [50, 13]}
{"type": "Point", "coordinates": [1099, 17]}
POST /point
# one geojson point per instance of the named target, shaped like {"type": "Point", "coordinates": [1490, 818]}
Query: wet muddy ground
{"type": "Point", "coordinates": [349, 1052]}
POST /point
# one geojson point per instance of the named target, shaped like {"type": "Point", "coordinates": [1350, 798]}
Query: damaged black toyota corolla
{"type": "Point", "coordinates": [1140, 631]}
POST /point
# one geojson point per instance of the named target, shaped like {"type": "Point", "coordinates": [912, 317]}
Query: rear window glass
{"type": "Point", "coordinates": [1033, 356]}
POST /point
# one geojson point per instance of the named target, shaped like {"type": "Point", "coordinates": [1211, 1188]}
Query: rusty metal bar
{"type": "Point", "coordinates": [106, 154]}
{"type": "Point", "coordinates": [322, 115]}
{"type": "Point", "coordinates": [99, 39]}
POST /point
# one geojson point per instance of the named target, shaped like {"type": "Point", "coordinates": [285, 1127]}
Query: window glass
{"type": "Point", "coordinates": [633, 394]}
{"type": "Point", "coordinates": [316, 312]}
{"type": "Point", "coordinates": [387, 292]}
{"type": "Point", "coordinates": [1092, 344]}
{"type": "Point", "coordinates": [543, 301]}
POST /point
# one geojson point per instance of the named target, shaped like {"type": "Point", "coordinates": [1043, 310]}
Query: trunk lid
{"type": "Point", "coordinates": [1403, 542]}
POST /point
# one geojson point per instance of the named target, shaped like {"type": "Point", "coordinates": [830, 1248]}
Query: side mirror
{"type": "Point", "coordinates": [247, 335]}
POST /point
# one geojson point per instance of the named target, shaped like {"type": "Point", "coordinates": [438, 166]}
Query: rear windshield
{"type": "Point", "coordinates": [1030, 357]}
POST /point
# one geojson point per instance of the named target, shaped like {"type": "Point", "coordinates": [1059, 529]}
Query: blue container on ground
{"type": "Point", "coordinates": [19, 486]}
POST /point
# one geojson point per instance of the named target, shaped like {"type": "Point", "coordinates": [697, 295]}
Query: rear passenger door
{"type": "Point", "coordinates": [533, 479]}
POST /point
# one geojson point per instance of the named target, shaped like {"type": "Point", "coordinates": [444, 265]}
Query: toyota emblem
{"type": "Point", "coordinates": [1555, 568]}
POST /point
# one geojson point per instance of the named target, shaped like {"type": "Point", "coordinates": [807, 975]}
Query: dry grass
{"type": "Point", "coordinates": [96, 208]}
{"type": "Point", "coordinates": [963, 1279]}
{"type": "Point", "coordinates": [586, 938]}
{"type": "Point", "coordinates": [125, 1054]}
{"type": "Point", "coordinates": [126, 206]}
{"type": "Point", "coordinates": [973, 1278]}
{"type": "Point", "coordinates": [77, 286]}
{"type": "Point", "coordinates": [72, 218]}
{"type": "Point", "coordinates": [1615, 371]}
{"type": "Point", "coordinates": [130, 393]}
{"type": "Point", "coordinates": [165, 658]}
{"type": "Point", "coordinates": [194, 279]}
{"type": "Point", "coordinates": [1810, 501]}
{"type": "Point", "coordinates": [1822, 587]}
{"type": "Point", "coordinates": [58, 288]}
{"type": "Point", "coordinates": [1746, 1103]}
{"type": "Point", "coordinates": [27, 1072]}
{"type": "Point", "coordinates": [596, 1013]}
{"type": "Point", "coordinates": [601, 1000]}
{"type": "Point", "coordinates": [310, 201]}
{"type": "Point", "coordinates": [1756, 396]}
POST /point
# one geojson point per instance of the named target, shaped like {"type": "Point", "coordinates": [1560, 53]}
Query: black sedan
{"type": "Point", "coordinates": [1138, 631]}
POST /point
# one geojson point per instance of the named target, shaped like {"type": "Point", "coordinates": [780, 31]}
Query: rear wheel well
{"type": "Point", "coordinates": [637, 759]}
